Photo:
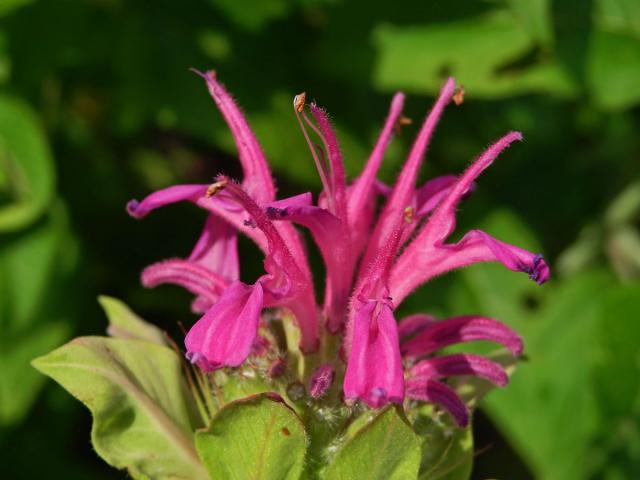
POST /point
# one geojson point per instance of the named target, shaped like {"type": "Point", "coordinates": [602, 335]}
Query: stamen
{"type": "Point", "coordinates": [458, 95]}
{"type": "Point", "coordinates": [319, 159]}
{"type": "Point", "coordinates": [215, 188]}
{"type": "Point", "coordinates": [299, 101]}
{"type": "Point", "coordinates": [402, 121]}
{"type": "Point", "coordinates": [408, 214]}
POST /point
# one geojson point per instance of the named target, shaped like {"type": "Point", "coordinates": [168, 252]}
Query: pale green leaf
{"type": "Point", "coordinates": [135, 390]}
{"type": "Point", "coordinates": [477, 51]}
{"type": "Point", "coordinates": [385, 449]}
{"type": "Point", "coordinates": [259, 438]}
{"type": "Point", "coordinates": [614, 70]}
{"type": "Point", "coordinates": [124, 323]}
{"type": "Point", "coordinates": [26, 164]}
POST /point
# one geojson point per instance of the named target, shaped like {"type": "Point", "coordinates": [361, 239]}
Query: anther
{"type": "Point", "coordinates": [215, 188]}
{"type": "Point", "coordinates": [408, 214]}
{"type": "Point", "coordinates": [458, 95]}
{"type": "Point", "coordinates": [299, 101]}
{"type": "Point", "coordinates": [401, 122]}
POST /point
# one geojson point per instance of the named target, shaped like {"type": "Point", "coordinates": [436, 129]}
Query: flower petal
{"type": "Point", "coordinates": [374, 369]}
{"type": "Point", "coordinates": [336, 164]}
{"type": "Point", "coordinates": [225, 334]}
{"type": "Point", "coordinates": [435, 392]}
{"type": "Point", "coordinates": [404, 188]}
{"type": "Point", "coordinates": [173, 194]}
{"type": "Point", "coordinates": [287, 284]}
{"type": "Point", "coordinates": [332, 238]}
{"type": "Point", "coordinates": [257, 176]}
{"type": "Point", "coordinates": [217, 248]}
{"type": "Point", "coordinates": [475, 247]}
{"type": "Point", "coordinates": [454, 330]}
{"type": "Point", "coordinates": [362, 187]}
{"type": "Point", "coordinates": [190, 275]}
{"type": "Point", "coordinates": [460, 364]}
{"type": "Point", "coordinates": [414, 324]}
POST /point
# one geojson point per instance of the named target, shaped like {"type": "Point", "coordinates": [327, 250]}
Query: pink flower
{"type": "Point", "coordinates": [372, 262]}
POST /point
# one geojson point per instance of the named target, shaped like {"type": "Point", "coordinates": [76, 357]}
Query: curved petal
{"type": "Point", "coordinates": [374, 369]}
{"type": "Point", "coordinates": [460, 364]}
{"type": "Point", "coordinates": [414, 324]}
{"type": "Point", "coordinates": [217, 248]}
{"type": "Point", "coordinates": [435, 392]}
{"type": "Point", "coordinates": [332, 238]}
{"type": "Point", "coordinates": [225, 334]}
{"type": "Point", "coordinates": [475, 247]}
{"type": "Point", "coordinates": [404, 188]}
{"type": "Point", "coordinates": [336, 164]}
{"type": "Point", "coordinates": [257, 176]}
{"type": "Point", "coordinates": [197, 279]}
{"type": "Point", "coordinates": [460, 330]}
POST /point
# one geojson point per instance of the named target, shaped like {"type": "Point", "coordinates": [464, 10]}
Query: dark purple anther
{"type": "Point", "coordinates": [321, 381]}
{"type": "Point", "coordinates": [250, 222]}
{"type": "Point", "coordinates": [275, 213]}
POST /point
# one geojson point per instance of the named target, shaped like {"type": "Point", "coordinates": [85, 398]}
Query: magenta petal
{"type": "Point", "coordinates": [363, 190]}
{"type": "Point", "coordinates": [414, 324]}
{"type": "Point", "coordinates": [374, 369]}
{"type": "Point", "coordinates": [189, 275]}
{"type": "Point", "coordinates": [257, 176]}
{"type": "Point", "coordinates": [460, 364]}
{"type": "Point", "coordinates": [458, 330]}
{"type": "Point", "coordinates": [287, 284]}
{"type": "Point", "coordinates": [443, 220]}
{"type": "Point", "coordinates": [174, 194]}
{"type": "Point", "coordinates": [477, 246]}
{"type": "Point", "coordinates": [331, 236]}
{"type": "Point", "coordinates": [404, 188]}
{"type": "Point", "coordinates": [432, 192]}
{"type": "Point", "coordinates": [225, 334]}
{"type": "Point", "coordinates": [338, 181]}
{"type": "Point", "coordinates": [217, 248]}
{"type": "Point", "coordinates": [435, 392]}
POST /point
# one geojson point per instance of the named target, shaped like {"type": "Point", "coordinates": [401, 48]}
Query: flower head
{"type": "Point", "coordinates": [373, 262]}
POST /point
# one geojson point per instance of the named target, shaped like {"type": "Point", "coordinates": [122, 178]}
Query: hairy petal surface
{"type": "Point", "coordinates": [444, 333]}
{"type": "Point", "coordinates": [460, 364]}
{"type": "Point", "coordinates": [436, 392]}
{"type": "Point", "coordinates": [404, 189]}
{"type": "Point", "coordinates": [225, 334]}
{"type": "Point", "coordinates": [374, 370]}
{"type": "Point", "coordinates": [257, 176]}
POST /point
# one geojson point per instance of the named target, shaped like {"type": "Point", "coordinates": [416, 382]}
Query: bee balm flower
{"type": "Point", "coordinates": [373, 262]}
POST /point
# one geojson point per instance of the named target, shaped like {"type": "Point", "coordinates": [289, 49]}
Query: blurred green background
{"type": "Point", "coordinates": [97, 106]}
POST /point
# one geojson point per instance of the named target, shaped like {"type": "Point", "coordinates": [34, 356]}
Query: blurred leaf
{"type": "Point", "coordinates": [124, 323]}
{"type": "Point", "coordinates": [259, 438]}
{"type": "Point", "coordinates": [447, 450]}
{"type": "Point", "coordinates": [480, 52]}
{"type": "Point", "coordinates": [621, 16]}
{"type": "Point", "coordinates": [26, 164]}
{"type": "Point", "coordinates": [386, 449]}
{"type": "Point", "coordinates": [137, 396]}
{"type": "Point", "coordinates": [31, 275]}
{"type": "Point", "coordinates": [614, 70]}
{"type": "Point", "coordinates": [617, 381]}
{"type": "Point", "coordinates": [7, 6]}
{"type": "Point", "coordinates": [535, 17]}
{"type": "Point", "coordinates": [252, 15]}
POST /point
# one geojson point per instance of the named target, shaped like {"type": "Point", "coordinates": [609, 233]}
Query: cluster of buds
{"type": "Point", "coordinates": [375, 256]}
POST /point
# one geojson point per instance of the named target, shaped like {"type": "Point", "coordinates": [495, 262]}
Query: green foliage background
{"type": "Point", "coordinates": [97, 106]}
